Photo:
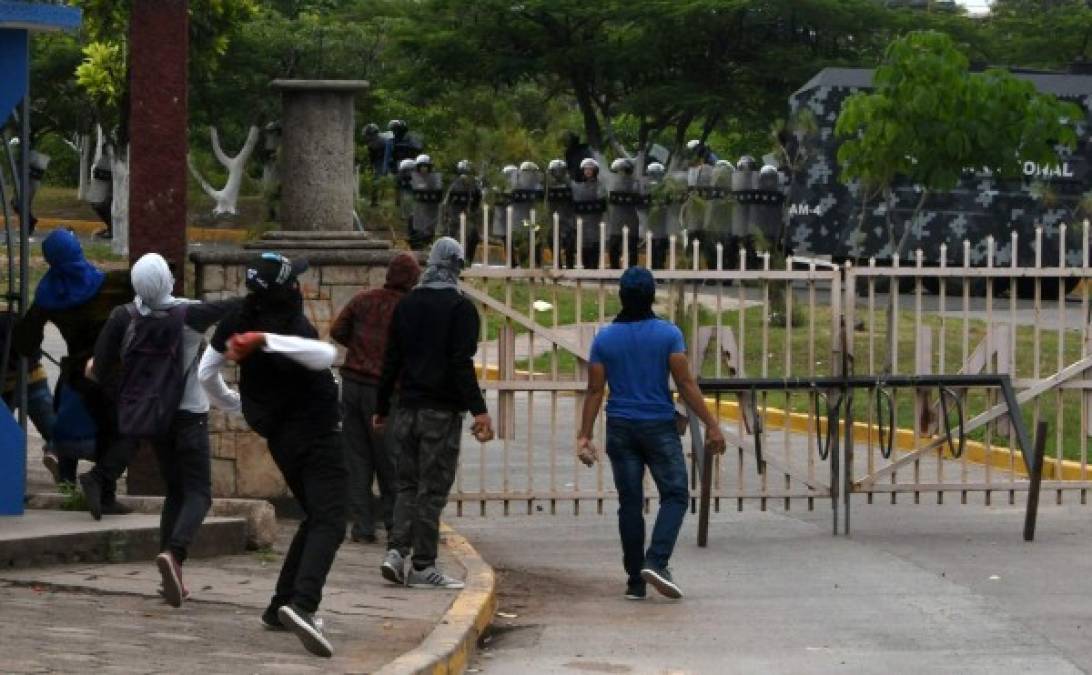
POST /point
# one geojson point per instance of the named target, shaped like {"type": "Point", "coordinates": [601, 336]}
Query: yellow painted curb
{"type": "Point", "coordinates": [998, 457]}
{"type": "Point", "coordinates": [451, 644]}
{"type": "Point", "coordinates": [193, 233]}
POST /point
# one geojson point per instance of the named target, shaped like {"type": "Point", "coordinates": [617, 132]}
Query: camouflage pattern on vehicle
{"type": "Point", "coordinates": [825, 216]}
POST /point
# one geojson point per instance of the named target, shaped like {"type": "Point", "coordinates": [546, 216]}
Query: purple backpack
{"type": "Point", "coordinates": [152, 376]}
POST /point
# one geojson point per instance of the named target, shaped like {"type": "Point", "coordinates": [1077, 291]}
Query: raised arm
{"type": "Point", "coordinates": [212, 380]}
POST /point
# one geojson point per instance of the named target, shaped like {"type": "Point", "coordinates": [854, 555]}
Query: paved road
{"type": "Point", "coordinates": [916, 589]}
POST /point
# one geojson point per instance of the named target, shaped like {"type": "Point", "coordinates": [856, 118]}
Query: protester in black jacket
{"type": "Point", "coordinates": [289, 397]}
{"type": "Point", "coordinates": [430, 353]}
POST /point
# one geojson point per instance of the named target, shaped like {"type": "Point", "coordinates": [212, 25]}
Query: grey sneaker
{"type": "Point", "coordinates": [394, 567]}
{"type": "Point", "coordinates": [661, 580]}
{"type": "Point", "coordinates": [430, 577]}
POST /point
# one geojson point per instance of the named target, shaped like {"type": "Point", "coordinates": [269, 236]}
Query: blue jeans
{"type": "Point", "coordinates": [632, 445]}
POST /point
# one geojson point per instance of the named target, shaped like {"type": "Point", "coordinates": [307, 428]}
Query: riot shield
{"type": "Point", "coordinates": [428, 193]}
{"type": "Point", "coordinates": [589, 207]}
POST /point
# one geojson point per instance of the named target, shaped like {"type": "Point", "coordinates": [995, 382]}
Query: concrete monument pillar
{"type": "Point", "coordinates": [316, 172]}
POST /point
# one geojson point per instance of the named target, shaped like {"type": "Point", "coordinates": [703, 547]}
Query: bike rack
{"type": "Point", "coordinates": [842, 387]}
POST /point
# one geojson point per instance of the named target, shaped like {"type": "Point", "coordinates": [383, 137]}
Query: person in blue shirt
{"type": "Point", "coordinates": [634, 356]}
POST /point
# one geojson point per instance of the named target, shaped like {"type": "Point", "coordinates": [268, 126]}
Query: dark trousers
{"type": "Point", "coordinates": [589, 255]}
{"type": "Point", "coordinates": [114, 456]}
{"type": "Point", "coordinates": [568, 249]}
{"type": "Point", "coordinates": [367, 457]}
{"type": "Point", "coordinates": [659, 253]}
{"type": "Point", "coordinates": [615, 248]}
{"type": "Point", "coordinates": [632, 445]}
{"type": "Point", "coordinates": [184, 462]}
{"type": "Point", "coordinates": [39, 409]}
{"type": "Point", "coordinates": [428, 457]}
{"type": "Point", "coordinates": [313, 465]}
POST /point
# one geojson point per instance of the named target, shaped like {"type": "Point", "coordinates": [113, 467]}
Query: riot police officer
{"type": "Point", "coordinates": [463, 199]}
{"type": "Point", "coordinates": [380, 151]}
{"type": "Point", "coordinates": [695, 210]}
{"type": "Point", "coordinates": [744, 182]}
{"type": "Point", "coordinates": [403, 196]}
{"type": "Point", "coordinates": [428, 192]}
{"type": "Point", "coordinates": [559, 203]}
{"type": "Point", "coordinates": [623, 198]}
{"type": "Point", "coordinates": [526, 196]}
{"type": "Point", "coordinates": [501, 200]}
{"type": "Point", "coordinates": [404, 145]}
{"type": "Point", "coordinates": [655, 207]}
{"type": "Point", "coordinates": [589, 205]}
{"type": "Point", "coordinates": [718, 223]}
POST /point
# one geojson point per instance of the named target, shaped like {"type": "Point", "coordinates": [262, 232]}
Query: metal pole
{"type": "Point", "coordinates": [1036, 477]}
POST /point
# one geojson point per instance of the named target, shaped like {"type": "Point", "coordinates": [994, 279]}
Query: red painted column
{"type": "Point", "coordinates": [158, 53]}
{"type": "Point", "coordinates": [158, 75]}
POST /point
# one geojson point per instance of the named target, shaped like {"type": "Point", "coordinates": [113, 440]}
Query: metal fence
{"type": "Point", "coordinates": [770, 318]}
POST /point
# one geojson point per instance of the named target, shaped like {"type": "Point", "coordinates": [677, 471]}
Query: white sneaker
{"type": "Point", "coordinates": [430, 577]}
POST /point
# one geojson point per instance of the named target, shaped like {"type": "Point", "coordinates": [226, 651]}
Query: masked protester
{"type": "Point", "coordinates": [634, 355]}
{"type": "Point", "coordinates": [363, 327]}
{"type": "Point", "coordinates": [430, 353]}
{"type": "Point", "coordinates": [77, 298]}
{"type": "Point", "coordinates": [289, 396]}
{"type": "Point", "coordinates": [126, 366]}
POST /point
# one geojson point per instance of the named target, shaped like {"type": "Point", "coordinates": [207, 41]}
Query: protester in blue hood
{"type": "Point", "coordinates": [77, 297]}
{"type": "Point", "coordinates": [71, 280]}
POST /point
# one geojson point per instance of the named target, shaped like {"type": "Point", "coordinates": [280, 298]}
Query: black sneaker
{"type": "Point", "coordinates": [92, 494]}
{"type": "Point", "coordinates": [304, 626]}
{"type": "Point", "coordinates": [661, 580]}
{"type": "Point", "coordinates": [271, 620]}
{"type": "Point", "coordinates": [360, 537]}
{"type": "Point", "coordinates": [635, 590]}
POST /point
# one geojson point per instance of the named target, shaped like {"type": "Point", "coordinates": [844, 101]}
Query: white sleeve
{"type": "Point", "coordinates": [210, 377]}
{"type": "Point", "coordinates": [311, 354]}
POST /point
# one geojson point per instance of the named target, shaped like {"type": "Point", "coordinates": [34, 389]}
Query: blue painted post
{"type": "Point", "coordinates": [17, 20]}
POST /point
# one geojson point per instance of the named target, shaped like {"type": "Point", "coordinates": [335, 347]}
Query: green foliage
{"type": "Point", "coordinates": [928, 118]}
{"type": "Point", "coordinates": [1039, 33]}
{"type": "Point", "coordinates": [71, 498]}
{"type": "Point", "coordinates": [104, 71]}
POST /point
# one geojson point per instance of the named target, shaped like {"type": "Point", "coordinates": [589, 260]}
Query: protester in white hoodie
{"type": "Point", "coordinates": [182, 445]}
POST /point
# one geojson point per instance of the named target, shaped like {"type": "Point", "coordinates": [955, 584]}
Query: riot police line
{"type": "Point", "coordinates": [602, 217]}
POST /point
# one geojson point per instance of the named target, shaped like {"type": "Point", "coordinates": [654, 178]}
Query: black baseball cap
{"type": "Point", "coordinates": [271, 270]}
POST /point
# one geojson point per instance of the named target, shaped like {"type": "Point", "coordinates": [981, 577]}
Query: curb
{"type": "Point", "coordinates": [449, 646]}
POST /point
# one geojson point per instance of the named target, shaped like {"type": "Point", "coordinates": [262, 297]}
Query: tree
{"type": "Point", "coordinates": [929, 117]}
{"type": "Point", "coordinates": [227, 197]}
{"type": "Point", "coordinates": [1040, 33]}
{"type": "Point", "coordinates": [104, 73]}
{"type": "Point", "coordinates": [662, 70]}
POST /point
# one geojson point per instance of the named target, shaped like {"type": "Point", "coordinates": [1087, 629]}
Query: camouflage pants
{"type": "Point", "coordinates": [427, 447]}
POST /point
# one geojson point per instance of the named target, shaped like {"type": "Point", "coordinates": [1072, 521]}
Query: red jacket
{"type": "Point", "coordinates": [364, 324]}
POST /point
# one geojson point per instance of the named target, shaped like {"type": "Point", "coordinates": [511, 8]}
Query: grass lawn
{"type": "Point", "coordinates": [801, 351]}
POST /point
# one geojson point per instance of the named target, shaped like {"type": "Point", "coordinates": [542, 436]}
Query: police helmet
{"type": "Point", "coordinates": [406, 165]}
{"type": "Point", "coordinates": [397, 126]}
{"type": "Point", "coordinates": [589, 163]}
{"type": "Point", "coordinates": [723, 164]}
{"type": "Point", "coordinates": [509, 169]}
{"type": "Point", "coordinates": [746, 163]}
{"type": "Point", "coordinates": [371, 130]}
{"type": "Point", "coordinates": [655, 169]}
{"type": "Point", "coordinates": [463, 167]}
{"type": "Point", "coordinates": [423, 160]}
{"type": "Point", "coordinates": [528, 166]}
{"type": "Point", "coordinates": [556, 165]}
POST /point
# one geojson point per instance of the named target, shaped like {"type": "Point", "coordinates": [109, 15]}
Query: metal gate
{"type": "Point", "coordinates": [761, 319]}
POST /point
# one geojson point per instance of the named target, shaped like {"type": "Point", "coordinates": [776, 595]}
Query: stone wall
{"type": "Point", "coordinates": [241, 464]}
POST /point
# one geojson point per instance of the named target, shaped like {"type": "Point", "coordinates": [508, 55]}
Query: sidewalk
{"type": "Point", "coordinates": [108, 617]}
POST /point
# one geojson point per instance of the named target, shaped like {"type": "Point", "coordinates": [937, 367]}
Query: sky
{"type": "Point", "coordinates": [975, 6]}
